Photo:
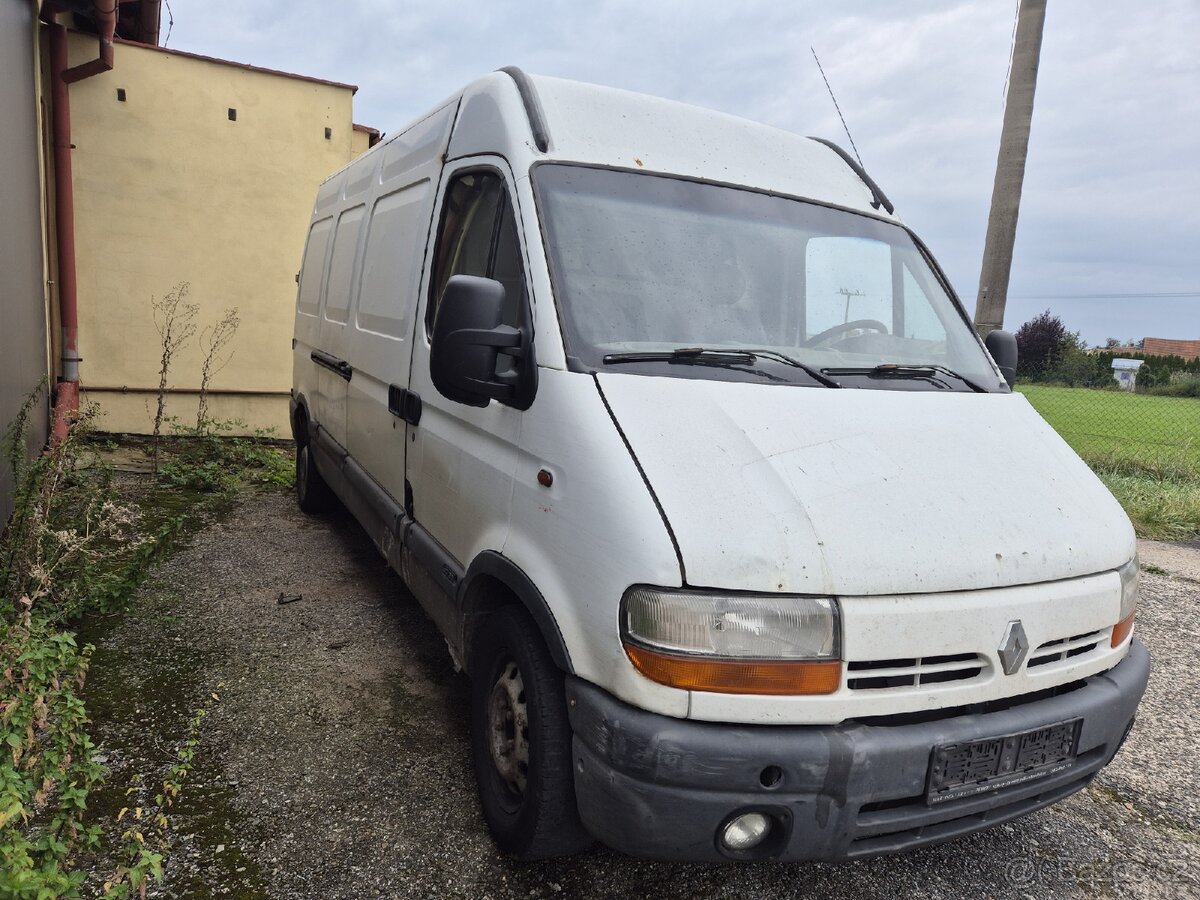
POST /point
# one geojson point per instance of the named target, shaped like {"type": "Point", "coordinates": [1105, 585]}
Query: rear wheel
{"type": "Point", "coordinates": [521, 741]}
{"type": "Point", "coordinates": [312, 491]}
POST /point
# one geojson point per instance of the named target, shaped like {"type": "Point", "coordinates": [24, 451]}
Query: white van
{"type": "Point", "coordinates": [685, 443]}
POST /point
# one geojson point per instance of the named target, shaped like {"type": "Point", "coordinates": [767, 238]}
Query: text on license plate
{"type": "Point", "coordinates": [975, 767]}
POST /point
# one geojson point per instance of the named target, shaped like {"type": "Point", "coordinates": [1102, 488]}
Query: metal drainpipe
{"type": "Point", "coordinates": [66, 399]}
{"type": "Point", "coordinates": [151, 15]}
{"type": "Point", "coordinates": [106, 26]}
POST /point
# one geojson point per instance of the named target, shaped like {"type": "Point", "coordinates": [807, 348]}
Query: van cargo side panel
{"type": "Point", "coordinates": [341, 274]}
{"type": "Point", "coordinates": [380, 333]}
{"type": "Point", "coordinates": [306, 379]}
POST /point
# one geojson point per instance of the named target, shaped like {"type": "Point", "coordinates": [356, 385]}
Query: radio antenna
{"type": "Point", "coordinates": [835, 106]}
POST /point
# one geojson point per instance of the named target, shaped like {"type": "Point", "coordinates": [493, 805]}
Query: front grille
{"type": "Point", "coordinates": [899, 720]}
{"type": "Point", "coordinates": [890, 674]}
{"type": "Point", "coordinates": [1065, 648]}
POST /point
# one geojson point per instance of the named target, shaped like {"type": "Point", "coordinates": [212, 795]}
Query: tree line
{"type": "Point", "coordinates": [1049, 353]}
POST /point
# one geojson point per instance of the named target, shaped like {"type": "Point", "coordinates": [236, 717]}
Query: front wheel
{"type": "Point", "coordinates": [521, 741]}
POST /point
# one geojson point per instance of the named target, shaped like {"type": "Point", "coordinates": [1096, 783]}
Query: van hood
{"type": "Point", "coordinates": [859, 491]}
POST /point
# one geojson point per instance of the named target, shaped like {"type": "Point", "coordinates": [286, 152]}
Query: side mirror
{"type": "Point", "coordinates": [1003, 347]}
{"type": "Point", "coordinates": [468, 338]}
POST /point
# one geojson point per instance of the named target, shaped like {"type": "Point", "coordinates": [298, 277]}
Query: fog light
{"type": "Point", "coordinates": [745, 832]}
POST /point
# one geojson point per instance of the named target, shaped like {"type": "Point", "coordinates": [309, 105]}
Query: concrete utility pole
{"type": "Point", "coordinates": [1010, 168]}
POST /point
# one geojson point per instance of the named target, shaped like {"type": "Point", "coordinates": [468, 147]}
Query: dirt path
{"type": "Point", "coordinates": [336, 763]}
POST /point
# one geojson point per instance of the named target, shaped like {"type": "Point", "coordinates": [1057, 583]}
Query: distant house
{"type": "Point", "coordinates": [1125, 372]}
{"type": "Point", "coordinates": [1189, 350]}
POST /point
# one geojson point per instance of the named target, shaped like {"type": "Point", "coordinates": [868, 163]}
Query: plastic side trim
{"type": "Point", "coordinates": [492, 564]}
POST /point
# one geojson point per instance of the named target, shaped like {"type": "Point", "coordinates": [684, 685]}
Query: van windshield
{"type": "Point", "coordinates": [644, 266]}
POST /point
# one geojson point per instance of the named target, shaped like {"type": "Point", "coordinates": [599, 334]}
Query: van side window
{"type": "Point", "coordinates": [312, 269]}
{"type": "Point", "coordinates": [478, 236]}
{"type": "Point", "coordinates": [341, 265]}
{"type": "Point", "coordinates": [507, 268]}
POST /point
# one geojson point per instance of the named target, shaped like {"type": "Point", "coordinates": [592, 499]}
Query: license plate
{"type": "Point", "coordinates": [968, 768]}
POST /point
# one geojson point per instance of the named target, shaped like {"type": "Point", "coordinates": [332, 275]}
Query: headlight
{"type": "Point", "coordinates": [1131, 576]}
{"type": "Point", "coordinates": [733, 643]}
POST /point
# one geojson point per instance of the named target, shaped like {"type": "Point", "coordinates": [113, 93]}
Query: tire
{"type": "Point", "coordinates": [521, 741]}
{"type": "Point", "coordinates": [312, 492]}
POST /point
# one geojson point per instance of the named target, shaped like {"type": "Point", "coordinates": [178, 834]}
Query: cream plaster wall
{"type": "Point", "coordinates": [168, 189]}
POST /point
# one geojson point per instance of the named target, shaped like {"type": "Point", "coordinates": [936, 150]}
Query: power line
{"type": "Point", "coordinates": [1012, 49]}
{"type": "Point", "coordinates": [1164, 295]}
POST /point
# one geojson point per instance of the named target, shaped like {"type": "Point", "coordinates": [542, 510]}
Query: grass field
{"type": "Point", "coordinates": [1146, 449]}
{"type": "Point", "coordinates": [1117, 423]}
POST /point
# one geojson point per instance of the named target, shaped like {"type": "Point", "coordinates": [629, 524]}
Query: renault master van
{"type": "Point", "coordinates": [687, 446]}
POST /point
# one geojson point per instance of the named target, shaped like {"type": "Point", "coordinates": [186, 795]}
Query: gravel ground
{"type": "Point", "coordinates": [336, 761]}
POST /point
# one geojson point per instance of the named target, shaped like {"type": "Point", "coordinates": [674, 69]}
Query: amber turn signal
{"type": "Point", "coordinates": [1121, 630]}
{"type": "Point", "coordinates": [730, 676]}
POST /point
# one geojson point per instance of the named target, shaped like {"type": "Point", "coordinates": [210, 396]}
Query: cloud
{"type": "Point", "coordinates": [1111, 184]}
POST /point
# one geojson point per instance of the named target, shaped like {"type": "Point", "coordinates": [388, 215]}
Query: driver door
{"type": "Point", "coordinates": [461, 459]}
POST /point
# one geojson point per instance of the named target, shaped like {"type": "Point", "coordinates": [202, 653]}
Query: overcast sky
{"type": "Point", "coordinates": [1109, 231]}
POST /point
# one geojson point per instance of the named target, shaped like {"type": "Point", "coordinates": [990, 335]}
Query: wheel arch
{"type": "Point", "coordinates": [300, 413]}
{"type": "Point", "coordinates": [493, 581]}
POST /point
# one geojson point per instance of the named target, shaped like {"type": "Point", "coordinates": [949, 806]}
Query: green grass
{"type": "Point", "coordinates": [1145, 449]}
{"type": "Point", "coordinates": [1119, 423]}
{"type": "Point", "coordinates": [1159, 509]}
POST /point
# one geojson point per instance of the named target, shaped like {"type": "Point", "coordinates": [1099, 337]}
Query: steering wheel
{"type": "Point", "coordinates": [824, 336]}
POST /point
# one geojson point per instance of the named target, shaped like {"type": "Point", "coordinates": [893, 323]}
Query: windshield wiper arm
{"type": "Point", "coordinates": [679, 355]}
{"type": "Point", "coordinates": [717, 356]}
{"type": "Point", "coordinates": [813, 372]}
{"type": "Point", "coordinates": [694, 356]}
{"type": "Point", "coordinates": [907, 370]}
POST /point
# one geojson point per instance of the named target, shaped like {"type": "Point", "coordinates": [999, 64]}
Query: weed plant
{"type": "Point", "coordinates": [212, 459]}
{"type": "Point", "coordinates": [71, 547]}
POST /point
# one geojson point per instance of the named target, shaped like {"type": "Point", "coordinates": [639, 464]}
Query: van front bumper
{"type": "Point", "coordinates": [658, 787]}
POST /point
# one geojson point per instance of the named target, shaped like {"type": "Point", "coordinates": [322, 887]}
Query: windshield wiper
{"type": "Point", "coordinates": [905, 370]}
{"type": "Point", "coordinates": [717, 356]}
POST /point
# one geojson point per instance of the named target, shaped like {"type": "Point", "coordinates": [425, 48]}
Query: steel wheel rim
{"type": "Point", "coordinates": [508, 729]}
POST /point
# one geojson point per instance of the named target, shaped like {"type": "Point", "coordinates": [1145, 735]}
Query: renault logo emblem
{"type": "Point", "coordinates": [1014, 648]}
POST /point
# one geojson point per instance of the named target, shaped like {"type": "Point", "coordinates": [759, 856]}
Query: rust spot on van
{"type": "Point", "coordinates": [638, 161]}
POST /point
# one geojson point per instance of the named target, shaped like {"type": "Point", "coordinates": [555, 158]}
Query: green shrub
{"type": "Point", "coordinates": [210, 459]}
{"type": "Point", "coordinates": [68, 544]}
{"type": "Point", "coordinates": [46, 768]}
{"type": "Point", "coordinates": [71, 547]}
{"type": "Point", "coordinates": [1180, 384]}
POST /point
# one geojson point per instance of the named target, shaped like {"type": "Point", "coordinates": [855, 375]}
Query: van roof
{"type": "Point", "coordinates": [609, 126]}
{"type": "Point", "coordinates": [591, 124]}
